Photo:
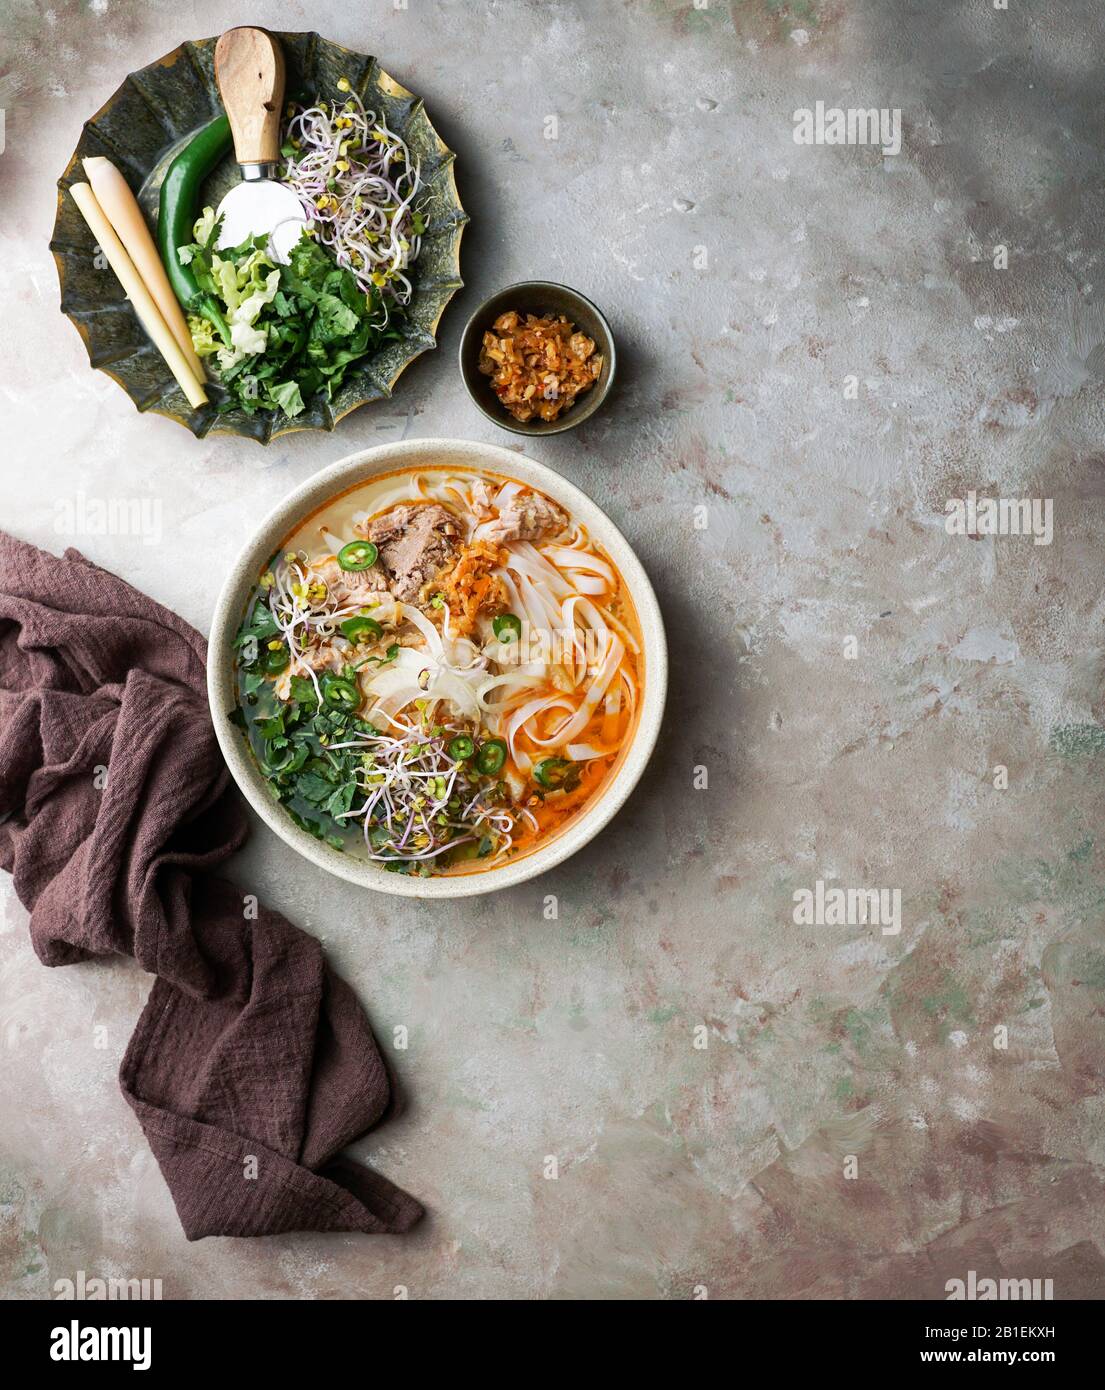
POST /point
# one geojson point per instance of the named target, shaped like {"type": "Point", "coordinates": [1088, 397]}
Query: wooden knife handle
{"type": "Point", "coordinates": [249, 68]}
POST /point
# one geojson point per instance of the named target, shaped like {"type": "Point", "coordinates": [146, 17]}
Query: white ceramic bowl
{"type": "Point", "coordinates": [284, 518]}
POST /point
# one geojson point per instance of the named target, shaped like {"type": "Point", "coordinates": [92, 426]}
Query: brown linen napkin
{"type": "Point", "coordinates": [251, 1055]}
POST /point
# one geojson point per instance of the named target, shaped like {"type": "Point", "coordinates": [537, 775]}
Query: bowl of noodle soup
{"type": "Point", "coordinates": [438, 669]}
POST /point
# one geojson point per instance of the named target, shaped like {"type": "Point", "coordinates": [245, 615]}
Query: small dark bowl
{"type": "Point", "coordinates": [537, 297]}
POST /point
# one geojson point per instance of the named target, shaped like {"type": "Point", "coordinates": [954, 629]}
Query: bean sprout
{"type": "Point", "coordinates": [414, 790]}
{"type": "Point", "coordinates": [357, 184]}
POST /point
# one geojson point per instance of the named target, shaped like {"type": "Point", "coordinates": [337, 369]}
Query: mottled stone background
{"type": "Point", "coordinates": [679, 1167]}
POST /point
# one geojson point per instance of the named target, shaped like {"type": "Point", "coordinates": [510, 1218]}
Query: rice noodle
{"type": "Point", "coordinates": [591, 584]}
{"type": "Point", "coordinates": [578, 559]}
{"type": "Point", "coordinates": [585, 752]}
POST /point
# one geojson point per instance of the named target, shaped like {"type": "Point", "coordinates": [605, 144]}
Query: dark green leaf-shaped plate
{"type": "Point", "coordinates": [142, 128]}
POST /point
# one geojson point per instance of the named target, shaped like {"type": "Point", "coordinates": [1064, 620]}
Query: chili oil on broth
{"type": "Point", "coordinates": [562, 583]}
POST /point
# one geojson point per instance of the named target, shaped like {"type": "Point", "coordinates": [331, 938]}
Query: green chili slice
{"type": "Point", "coordinates": [491, 756]}
{"type": "Point", "coordinates": [551, 772]}
{"type": "Point", "coordinates": [357, 555]}
{"type": "Point", "coordinates": [341, 694]}
{"type": "Point", "coordinates": [178, 203]}
{"type": "Point", "coordinates": [507, 627]}
{"type": "Point", "coordinates": [461, 748]}
{"type": "Point", "coordinates": [274, 659]}
{"type": "Point", "coordinates": [356, 629]}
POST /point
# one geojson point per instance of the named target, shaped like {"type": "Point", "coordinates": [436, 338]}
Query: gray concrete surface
{"type": "Point", "coordinates": [819, 350]}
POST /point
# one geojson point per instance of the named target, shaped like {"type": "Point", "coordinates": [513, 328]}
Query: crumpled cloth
{"type": "Point", "coordinates": [252, 1064]}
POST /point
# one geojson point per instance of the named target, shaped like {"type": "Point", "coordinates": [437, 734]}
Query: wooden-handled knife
{"type": "Point", "coordinates": [249, 68]}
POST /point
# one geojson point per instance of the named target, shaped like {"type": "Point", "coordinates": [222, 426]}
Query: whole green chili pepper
{"type": "Point", "coordinates": [177, 213]}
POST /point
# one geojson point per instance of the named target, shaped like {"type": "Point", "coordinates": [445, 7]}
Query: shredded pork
{"type": "Point", "coordinates": [528, 516]}
{"type": "Point", "coordinates": [415, 542]}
